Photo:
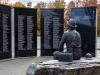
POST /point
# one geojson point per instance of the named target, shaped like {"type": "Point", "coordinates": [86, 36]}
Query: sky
{"type": "Point", "coordinates": [35, 1]}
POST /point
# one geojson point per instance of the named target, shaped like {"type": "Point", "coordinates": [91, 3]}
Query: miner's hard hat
{"type": "Point", "coordinates": [72, 23]}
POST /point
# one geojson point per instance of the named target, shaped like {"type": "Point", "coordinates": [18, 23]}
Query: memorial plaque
{"type": "Point", "coordinates": [86, 18]}
{"type": "Point", "coordinates": [52, 22]}
{"type": "Point", "coordinates": [5, 32]}
{"type": "Point", "coordinates": [25, 32]}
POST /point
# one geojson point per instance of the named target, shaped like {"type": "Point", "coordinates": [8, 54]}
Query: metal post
{"type": "Point", "coordinates": [96, 30]}
{"type": "Point", "coordinates": [12, 36]}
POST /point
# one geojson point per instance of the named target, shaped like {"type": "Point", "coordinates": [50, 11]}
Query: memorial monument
{"type": "Point", "coordinates": [86, 17]}
{"type": "Point", "coordinates": [52, 26]}
{"type": "Point", "coordinates": [5, 32]}
{"type": "Point", "coordinates": [25, 20]}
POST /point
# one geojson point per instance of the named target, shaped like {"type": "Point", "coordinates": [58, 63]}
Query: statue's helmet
{"type": "Point", "coordinates": [72, 23]}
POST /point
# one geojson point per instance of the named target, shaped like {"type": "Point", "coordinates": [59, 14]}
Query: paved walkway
{"type": "Point", "coordinates": [18, 66]}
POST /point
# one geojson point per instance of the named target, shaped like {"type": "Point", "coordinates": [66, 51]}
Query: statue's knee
{"type": "Point", "coordinates": [56, 55]}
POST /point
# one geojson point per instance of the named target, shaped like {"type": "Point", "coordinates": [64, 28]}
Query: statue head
{"type": "Point", "coordinates": [72, 23]}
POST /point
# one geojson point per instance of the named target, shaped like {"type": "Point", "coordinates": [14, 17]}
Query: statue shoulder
{"type": "Point", "coordinates": [77, 32]}
{"type": "Point", "coordinates": [66, 32]}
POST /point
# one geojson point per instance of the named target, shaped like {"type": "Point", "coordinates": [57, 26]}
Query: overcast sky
{"type": "Point", "coordinates": [36, 1]}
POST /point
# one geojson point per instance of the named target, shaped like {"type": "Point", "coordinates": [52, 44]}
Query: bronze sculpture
{"type": "Point", "coordinates": [72, 39]}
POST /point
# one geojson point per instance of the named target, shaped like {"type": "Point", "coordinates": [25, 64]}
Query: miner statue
{"type": "Point", "coordinates": [72, 39]}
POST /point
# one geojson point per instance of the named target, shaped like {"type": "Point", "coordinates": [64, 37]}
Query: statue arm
{"type": "Point", "coordinates": [61, 44]}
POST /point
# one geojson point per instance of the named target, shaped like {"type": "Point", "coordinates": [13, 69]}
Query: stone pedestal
{"type": "Point", "coordinates": [54, 67]}
{"type": "Point", "coordinates": [73, 69]}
